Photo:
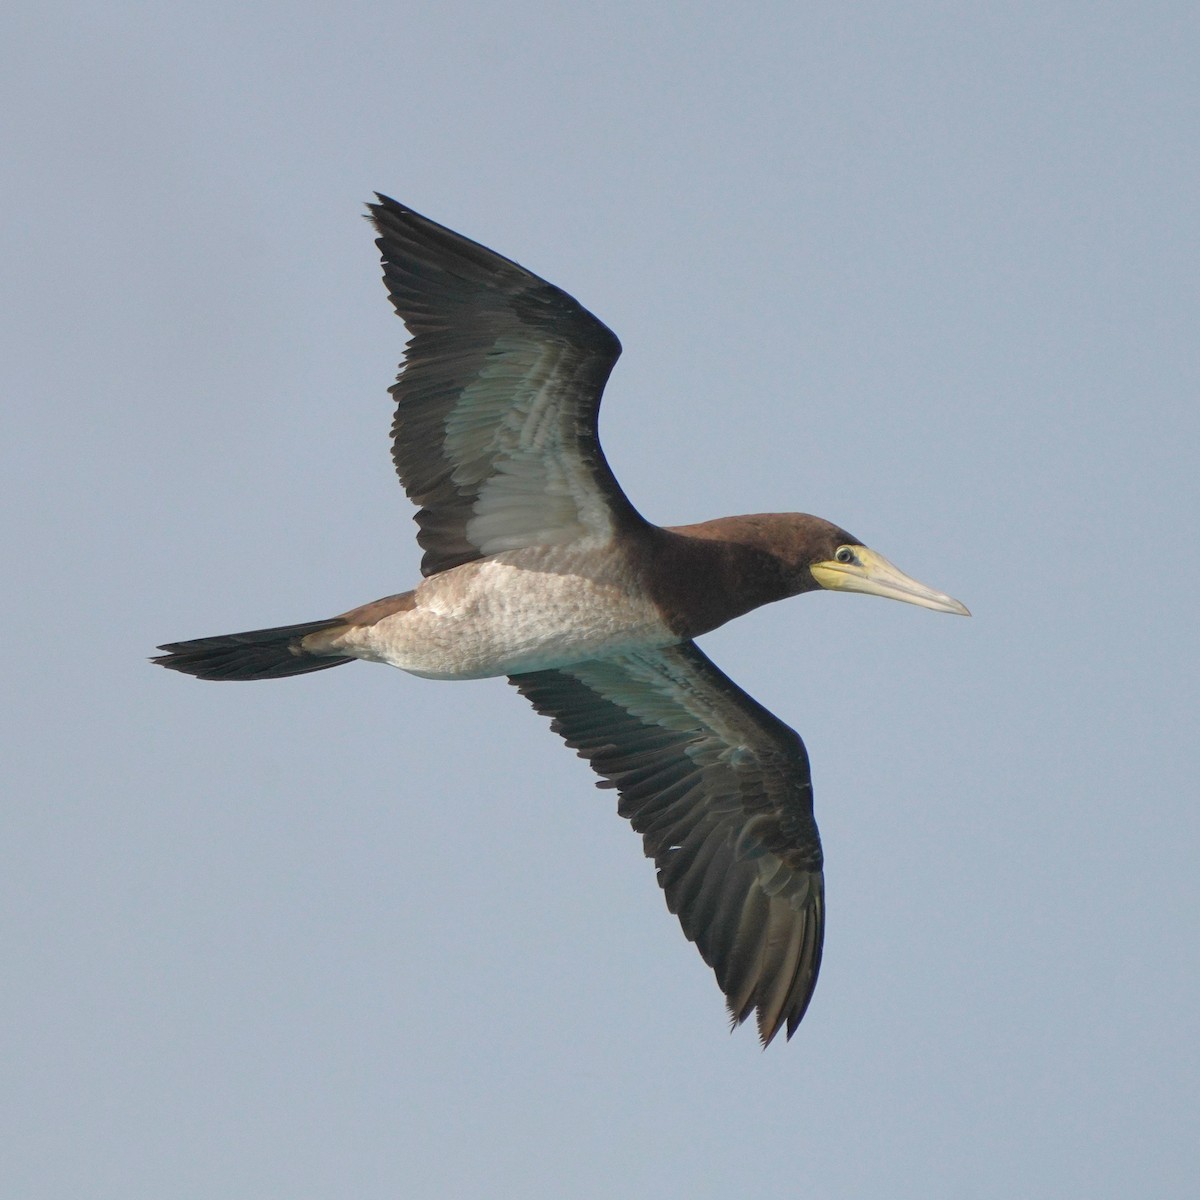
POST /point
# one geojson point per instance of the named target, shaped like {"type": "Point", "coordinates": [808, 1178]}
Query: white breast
{"type": "Point", "coordinates": [525, 610]}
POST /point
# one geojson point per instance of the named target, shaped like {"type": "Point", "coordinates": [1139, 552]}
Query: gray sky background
{"type": "Point", "coordinates": [928, 270]}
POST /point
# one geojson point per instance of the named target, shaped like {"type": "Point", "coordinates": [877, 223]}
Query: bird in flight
{"type": "Point", "coordinates": [537, 566]}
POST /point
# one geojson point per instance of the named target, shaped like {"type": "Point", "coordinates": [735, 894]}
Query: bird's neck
{"type": "Point", "coordinates": [704, 575]}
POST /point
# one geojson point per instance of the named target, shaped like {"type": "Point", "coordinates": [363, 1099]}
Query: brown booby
{"type": "Point", "coordinates": [538, 567]}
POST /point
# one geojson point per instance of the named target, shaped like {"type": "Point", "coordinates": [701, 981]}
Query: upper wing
{"type": "Point", "coordinates": [495, 429]}
{"type": "Point", "coordinates": [720, 791]}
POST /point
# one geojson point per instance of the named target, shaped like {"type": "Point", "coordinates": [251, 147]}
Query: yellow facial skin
{"type": "Point", "coordinates": [857, 569]}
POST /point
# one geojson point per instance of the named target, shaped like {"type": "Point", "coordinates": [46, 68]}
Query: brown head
{"type": "Point", "coordinates": [706, 574]}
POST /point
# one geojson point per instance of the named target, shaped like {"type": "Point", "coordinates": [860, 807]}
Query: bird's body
{"type": "Point", "coordinates": [540, 607]}
{"type": "Point", "coordinates": [521, 610]}
{"type": "Point", "coordinates": [538, 567]}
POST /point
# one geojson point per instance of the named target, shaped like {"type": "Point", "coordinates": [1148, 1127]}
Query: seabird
{"type": "Point", "coordinates": [537, 566]}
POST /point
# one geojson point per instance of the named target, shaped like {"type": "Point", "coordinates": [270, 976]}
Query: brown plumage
{"type": "Point", "coordinates": [538, 567]}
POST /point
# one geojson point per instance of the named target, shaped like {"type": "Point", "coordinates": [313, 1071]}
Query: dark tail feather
{"type": "Point", "coordinates": [259, 654]}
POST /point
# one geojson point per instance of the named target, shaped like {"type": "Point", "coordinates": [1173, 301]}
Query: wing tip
{"type": "Point", "coordinates": [779, 992]}
{"type": "Point", "coordinates": [382, 204]}
{"type": "Point", "coordinates": [769, 1027]}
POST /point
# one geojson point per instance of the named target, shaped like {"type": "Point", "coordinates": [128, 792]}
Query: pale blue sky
{"type": "Point", "coordinates": [928, 270]}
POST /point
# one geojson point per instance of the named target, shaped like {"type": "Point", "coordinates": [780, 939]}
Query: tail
{"type": "Point", "coordinates": [259, 654]}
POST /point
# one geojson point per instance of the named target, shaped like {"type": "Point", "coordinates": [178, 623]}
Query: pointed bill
{"type": "Point", "coordinates": [873, 575]}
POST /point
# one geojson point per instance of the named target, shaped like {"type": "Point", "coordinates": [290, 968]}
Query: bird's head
{"type": "Point", "coordinates": [826, 556]}
{"type": "Point", "coordinates": [709, 573]}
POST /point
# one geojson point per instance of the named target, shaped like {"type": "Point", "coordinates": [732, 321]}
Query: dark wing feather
{"type": "Point", "coordinates": [720, 790]}
{"type": "Point", "coordinates": [495, 429]}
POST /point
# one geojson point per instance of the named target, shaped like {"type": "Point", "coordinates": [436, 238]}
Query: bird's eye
{"type": "Point", "coordinates": [845, 555]}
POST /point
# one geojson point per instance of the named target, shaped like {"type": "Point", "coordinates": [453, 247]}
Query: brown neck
{"type": "Point", "coordinates": [701, 576]}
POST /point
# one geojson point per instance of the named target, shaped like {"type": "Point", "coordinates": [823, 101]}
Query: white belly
{"type": "Point", "coordinates": [512, 613]}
